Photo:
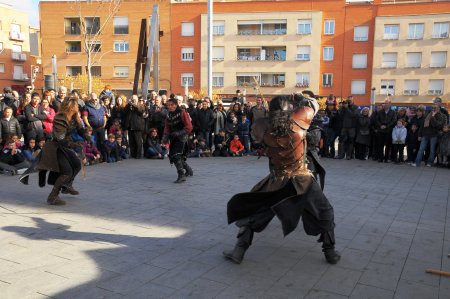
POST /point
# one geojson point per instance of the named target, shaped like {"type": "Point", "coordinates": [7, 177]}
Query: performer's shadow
{"type": "Point", "coordinates": [117, 257]}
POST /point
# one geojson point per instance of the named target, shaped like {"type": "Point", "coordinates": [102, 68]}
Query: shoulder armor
{"type": "Point", "coordinates": [302, 118]}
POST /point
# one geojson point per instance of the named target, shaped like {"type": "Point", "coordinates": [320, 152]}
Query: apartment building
{"type": "Point", "coordinates": [117, 46]}
{"type": "Point", "coordinates": [15, 61]}
{"type": "Point", "coordinates": [411, 57]}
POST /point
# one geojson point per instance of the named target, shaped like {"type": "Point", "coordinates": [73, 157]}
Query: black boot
{"type": "Point", "coordinates": [69, 190]}
{"type": "Point", "coordinates": [181, 172]}
{"type": "Point", "coordinates": [181, 177]}
{"type": "Point", "coordinates": [189, 171]}
{"type": "Point", "coordinates": [331, 255]}
{"type": "Point", "coordinates": [245, 237]}
{"type": "Point", "coordinates": [53, 198]}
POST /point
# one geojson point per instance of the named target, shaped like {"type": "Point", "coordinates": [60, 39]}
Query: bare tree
{"type": "Point", "coordinates": [93, 27]}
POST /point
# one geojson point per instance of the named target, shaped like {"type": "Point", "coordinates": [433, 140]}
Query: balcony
{"type": "Point", "coordinates": [73, 47]}
{"type": "Point", "coordinates": [272, 84]}
{"type": "Point", "coordinates": [19, 36]}
{"type": "Point", "coordinates": [20, 77]}
{"type": "Point", "coordinates": [303, 57]}
{"type": "Point", "coordinates": [390, 36]}
{"type": "Point", "coordinates": [389, 64]}
{"type": "Point", "coordinates": [302, 85]}
{"type": "Point", "coordinates": [434, 92]}
{"type": "Point", "coordinates": [410, 92]}
{"type": "Point", "coordinates": [263, 28]}
{"type": "Point", "coordinates": [262, 54]}
{"type": "Point", "coordinates": [17, 56]}
{"type": "Point", "coordinates": [326, 85]}
{"type": "Point", "coordinates": [72, 30]}
{"type": "Point", "coordinates": [441, 35]}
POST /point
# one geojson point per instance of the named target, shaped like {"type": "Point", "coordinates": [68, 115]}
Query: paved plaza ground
{"type": "Point", "coordinates": [132, 233]}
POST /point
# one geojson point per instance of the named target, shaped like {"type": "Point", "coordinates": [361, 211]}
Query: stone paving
{"type": "Point", "coordinates": [132, 233]}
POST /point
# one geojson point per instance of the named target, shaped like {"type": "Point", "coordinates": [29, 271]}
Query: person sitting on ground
{"type": "Point", "coordinates": [91, 152]}
{"type": "Point", "coordinates": [30, 150]}
{"type": "Point", "coordinates": [115, 127]}
{"type": "Point", "coordinates": [192, 145]}
{"type": "Point", "coordinates": [122, 147]}
{"type": "Point", "coordinates": [12, 159]}
{"type": "Point", "coordinates": [236, 147]}
{"type": "Point", "coordinates": [221, 144]}
{"type": "Point", "coordinates": [18, 142]}
{"type": "Point", "coordinates": [444, 146]}
{"type": "Point", "coordinates": [203, 148]}
{"type": "Point", "coordinates": [9, 125]}
{"type": "Point", "coordinates": [154, 148]}
{"type": "Point", "coordinates": [112, 155]}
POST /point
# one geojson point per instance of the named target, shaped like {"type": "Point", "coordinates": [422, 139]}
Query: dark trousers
{"type": "Point", "coordinates": [331, 138]}
{"type": "Point", "coordinates": [69, 164]}
{"type": "Point", "coordinates": [135, 139]}
{"type": "Point", "coordinates": [397, 152]}
{"type": "Point", "coordinates": [346, 140]}
{"type": "Point", "coordinates": [412, 153]}
{"type": "Point", "coordinates": [384, 142]}
{"type": "Point", "coordinates": [205, 136]}
{"type": "Point", "coordinates": [361, 151]}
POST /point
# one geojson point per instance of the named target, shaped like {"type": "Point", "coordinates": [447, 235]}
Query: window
{"type": "Point", "coordinates": [95, 46]}
{"type": "Point", "coordinates": [121, 46]}
{"type": "Point", "coordinates": [120, 25]}
{"type": "Point", "coordinates": [217, 79]}
{"type": "Point", "coordinates": [328, 53]}
{"type": "Point", "coordinates": [96, 71]}
{"type": "Point", "coordinates": [304, 26]}
{"type": "Point", "coordinates": [438, 59]}
{"type": "Point", "coordinates": [2, 67]}
{"type": "Point", "coordinates": [359, 61]}
{"type": "Point", "coordinates": [411, 88]}
{"type": "Point", "coordinates": [248, 79]}
{"type": "Point", "coordinates": [389, 60]}
{"type": "Point", "coordinates": [327, 80]}
{"type": "Point", "coordinates": [387, 87]}
{"type": "Point", "coordinates": [16, 48]}
{"type": "Point", "coordinates": [328, 27]}
{"type": "Point", "coordinates": [72, 26]}
{"type": "Point", "coordinates": [390, 32]}
{"type": "Point", "coordinates": [415, 31]}
{"type": "Point", "coordinates": [18, 73]}
{"type": "Point", "coordinates": [440, 30]}
{"type": "Point", "coordinates": [218, 53]}
{"type": "Point", "coordinates": [187, 29]}
{"type": "Point", "coordinates": [413, 59]}
{"type": "Point", "coordinates": [92, 25]}
{"type": "Point", "coordinates": [121, 71]}
{"type": "Point", "coordinates": [358, 86]}
{"type": "Point", "coordinates": [187, 54]}
{"type": "Point", "coordinates": [361, 33]}
{"type": "Point", "coordinates": [73, 70]}
{"type": "Point", "coordinates": [435, 87]}
{"type": "Point", "coordinates": [302, 80]}
{"type": "Point", "coordinates": [73, 46]}
{"type": "Point", "coordinates": [187, 78]}
{"type": "Point", "coordinates": [15, 28]}
{"type": "Point", "coordinates": [303, 52]}
{"type": "Point", "coordinates": [218, 27]}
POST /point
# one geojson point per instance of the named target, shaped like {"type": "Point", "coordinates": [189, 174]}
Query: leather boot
{"type": "Point", "coordinates": [181, 177]}
{"type": "Point", "coordinates": [181, 172]}
{"type": "Point", "coordinates": [69, 190]}
{"type": "Point", "coordinates": [331, 255]}
{"type": "Point", "coordinates": [189, 171]}
{"type": "Point", "coordinates": [245, 237]}
{"type": "Point", "coordinates": [53, 198]}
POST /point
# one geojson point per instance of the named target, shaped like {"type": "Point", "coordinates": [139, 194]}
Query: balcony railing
{"type": "Point", "coordinates": [390, 36]}
{"type": "Point", "coordinates": [303, 57]}
{"type": "Point", "coordinates": [14, 35]}
{"type": "Point", "coordinates": [69, 30]}
{"type": "Point", "coordinates": [20, 77]}
{"type": "Point", "coordinates": [18, 56]}
{"type": "Point", "coordinates": [441, 35]}
{"type": "Point", "coordinates": [436, 92]}
{"type": "Point", "coordinates": [272, 84]}
{"type": "Point", "coordinates": [389, 64]}
{"type": "Point", "coordinates": [410, 92]}
{"type": "Point", "coordinates": [302, 85]}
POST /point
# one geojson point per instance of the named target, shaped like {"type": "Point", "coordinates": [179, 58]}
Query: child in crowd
{"type": "Point", "coordinates": [29, 150]}
{"type": "Point", "coordinates": [444, 146]}
{"type": "Point", "coordinates": [221, 144]}
{"type": "Point", "coordinates": [122, 148]}
{"type": "Point", "coordinates": [236, 147]}
{"type": "Point", "coordinates": [11, 159]}
{"type": "Point", "coordinates": [203, 148]}
{"type": "Point", "coordinates": [243, 130]}
{"type": "Point", "coordinates": [155, 150]}
{"type": "Point", "coordinates": [91, 152]}
{"type": "Point", "coordinates": [412, 143]}
{"type": "Point", "coordinates": [398, 141]}
{"type": "Point", "coordinates": [110, 146]}
{"type": "Point", "coordinates": [192, 145]}
{"type": "Point", "coordinates": [115, 128]}
{"type": "Point", "coordinates": [16, 139]}
{"type": "Point", "coordinates": [91, 137]}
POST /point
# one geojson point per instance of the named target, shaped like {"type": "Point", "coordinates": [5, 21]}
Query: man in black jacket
{"type": "Point", "coordinates": [384, 123]}
{"type": "Point", "coordinates": [204, 121]}
{"type": "Point", "coordinates": [34, 114]}
{"type": "Point", "coordinates": [349, 115]}
{"type": "Point", "coordinates": [9, 125]}
{"type": "Point", "coordinates": [134, 124]}
{"type": "Point", "coordinates": [8, 100]}
{"type": "Point", "coordinates": [62, 93]}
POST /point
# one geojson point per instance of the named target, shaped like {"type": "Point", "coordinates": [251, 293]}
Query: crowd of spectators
{"type": "Point", "coordinates": [119, 128]}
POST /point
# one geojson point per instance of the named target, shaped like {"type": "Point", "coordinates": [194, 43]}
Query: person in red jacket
{"type": "Point", "coordinates": [236, 147]}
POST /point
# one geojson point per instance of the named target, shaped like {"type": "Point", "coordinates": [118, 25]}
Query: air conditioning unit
{"type": "Point", "coordinates": [15, 56]}
{"type": "Point", "coordinates": [23, 57]}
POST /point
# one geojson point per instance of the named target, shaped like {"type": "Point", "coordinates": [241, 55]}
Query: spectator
{"type": "Point", "coordinates": [204, 121]}
{"type": "Point", "coordinates": [30, 151]}
{"type": "Point", "coordinates": [398, 141]}
{"type": "Point", "coordinates": [203, 148]}
{"type": "Point", "coordinates": [8, 100]}
{"type": "Point", "coordinates": [9, 125]}
{"type": "Point", "coordinates": [115, 127]}
{"type": "Point", "coordinates": [192, 145]}
{"type": "Point", "coordinates": [135, 125]}
{"type": "Point", "coordinates": [154, 148]}
{"type": "Point", "coordinates": [412, 143]}
{"type": "Point", "coordinates": [236, 108]}
{"type": "Point", "coordinates": [438, 101]}
{"type": "Point", "coordinates": [106, 103]}
{"type": "Point", "coordinates": [444, 146]}
{"type": "Point", "coordinates": [332, 132]}
{"type": "Point", "coordinates": [362, 135]}
{"type": "Point", "coordinates": [123, 148]}
{"type": "Point", "coordinates": [94, 116]}
{"type": "Point", "coordinates": [236, 147]}
{"type": "Point", "coordinates": [349, 114]}
{"type": "Point", "coordinates": [384, 123]}
{"type": "Point", "coordinates": [243, 130]}
{"type": "Point", "coordinates": [401, 114]}
{"type": "Point", "coordinates": [158, 114]}
{"type": "Point", "coordinates": [111, 152]}
{"type": "Point", "coordinates": [48, 121]}
{"type": "Point", "coordinates": [258, 111]}
{"type": "Point", "coordinates": [231, 124]}
{"type": "Point", "coordinates": [12, 159]}
{"type": "Point", "coordinates": [428, 134]}
{"type": "Point", "coordinates": [34, 115]}
{"type": "Point", "coordinates": [221, 144]}
{"type": "Point", "coordinates": [91, 152]}
{"type": "Point", "coordinates": [220, 118]}
{"type": "Point", "coordinates": [106, 92]}
{"type": "Point", "coordinates": [62, 93]}
{"type": "Point", "coordinates": [118, 111]}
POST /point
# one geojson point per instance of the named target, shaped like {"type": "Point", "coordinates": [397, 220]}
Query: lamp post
{"type": "Point", "coordinates": [210, 42]}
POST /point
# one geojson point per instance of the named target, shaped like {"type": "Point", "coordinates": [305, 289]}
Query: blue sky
{"type": "Point", "coordinates": [29, 6]}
